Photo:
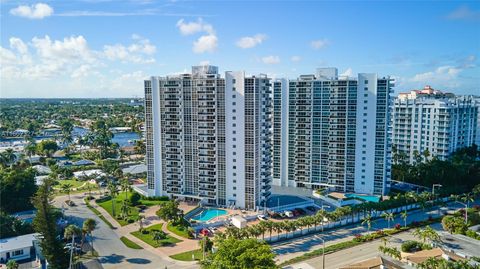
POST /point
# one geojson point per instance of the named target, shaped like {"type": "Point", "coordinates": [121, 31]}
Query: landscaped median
{"type": "Point", "coordinates": [129, 243]}
{"type": "Point", "coordinates": [358, 240]}
{"type": "Point", "coordinates": [187, 256]}
{"type": "Point", "coordinates": [94, 210]}
{"type": "Point", "coordinates": [155, 237]}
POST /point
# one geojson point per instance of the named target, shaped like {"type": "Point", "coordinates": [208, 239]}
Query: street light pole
{"type": "Point", "coordinates": [433, 195]}
{"type": "Point", "coordinates": [323, 251]}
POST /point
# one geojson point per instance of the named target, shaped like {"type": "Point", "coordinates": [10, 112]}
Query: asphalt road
{"type": "Point", "coordinates": [358, 253]}
{"type": "Point", "coordinates": [112, 252]}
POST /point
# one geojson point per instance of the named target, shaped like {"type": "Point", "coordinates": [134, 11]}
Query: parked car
{"type": "Point", "coordinates": [262, 217]}
{"type": "Point", "coordinates": [288, 214]}
{"type": "Point", "coordinates": [312, 208]}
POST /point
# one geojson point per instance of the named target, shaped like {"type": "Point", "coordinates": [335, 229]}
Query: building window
{"type": "Point", "coordinates": [234, 125]}
{"type": "Point", "coordinates": [234, 110]}
{"type": "Point", "coordinates": [233, 81]}
{"type": "Point", "coordinates": [18, 252]}
{"type": "Point", "coordinates": [366, 81]}
{"type": "Point", "coordinates": [234, 96]}
{"type": "Point", "coordinates": [234, 146]}
{"type": "Point", "coordinates": [234, 118]}
{"type": "Point", "coordinates": [234, 174]}
{"type": "Point", "coordinates": [234, 103]}
{"type": "Point", "coordinates": [234, 195]}
{"type": "Point", "coordinates": [234, 132]}
{"type": "Point", "coordinates": [234, 188]}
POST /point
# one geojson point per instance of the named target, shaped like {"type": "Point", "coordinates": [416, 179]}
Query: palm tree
{"type": "Point", "coordinates": [71, 231]}
{"type": "Point", "coordinates": [404, 216]}
{"type": "Point", "coordinates": [321, 214]}
{"type": "Point", "coordinates": [89, 225]}
{"type": "Point", "coordinates": [262, 227]}
{"type": "Point", "coordinates": [12, 264]}
{"type": "Point", "coordinates": [278, 227]}
{"type": "Point", "coordinates": [368, 221]}
{"type": "Point", "coordinates": [269, 225]}
{"type": "Point", "coordinates": [158, 236]}
{"type": "Point", "coordinates": [66, 188]}
{"type": "Point", "coordinates": [125, 209]}
{"type": "Point", "coordinates": [30, 148]}
{"type": "Point", "coordinates": [112, 188]}
{"type": "Point", "coordinates": [125, 187]}
{"type": "Point", "coordinates": [9, 157]}
{"type": "Point", "coordinates": [292, 226]}
{"type": "Point", "coordinates": [426, 233]}
{"type": "Point", "coordinates": [467, 198]}
{"type": "Point", "coordinates": [140, 221]}
{"type": "Point", "coordinates": [388, 217]}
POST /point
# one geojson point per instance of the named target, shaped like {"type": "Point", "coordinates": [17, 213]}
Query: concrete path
{"type": "Point", "coordinates": [112, 252]}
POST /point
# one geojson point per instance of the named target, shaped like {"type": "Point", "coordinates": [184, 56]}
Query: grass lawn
{"type": "Point", "coordinates": [129, 243]}
{"type": "Point", "coordinates": [94, 210]}
{"type": "Point", "coordinates": [75, 183]}
{"type": "Point", "coordinates": [187, 256]}
{"type": "Point", "coordinates": [148, 237]}
{"type": "Point", "coordinates": [107, 205]}
{"type": "Point", "coordinates": [178, 230]}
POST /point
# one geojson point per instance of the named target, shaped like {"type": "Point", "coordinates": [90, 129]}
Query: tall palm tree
{"type": "Point", "coordinates": [125, 209]}
{"type": "Point", "coordinates": [67, 188]}
{"type": "Point", "coordinates": [368, 221]}
{"type": "Point", "coordinates": [262, 228]}
{"type": "Point", "coordinates": [140, 221]}
{"type": "Point", "coordinates": [113, 189]}
{"type": "Point", "coordinates": [388, 217]}
{"type": "Point", "coordinates": [72, 230]}
{"type": "Point", "coordinates": [269, 225]}
{"type": "Point", "coordinates": [278, 227]}
{"type": "Point", "coordinates": [404, 216]}
{"type": "Point", "coordinates": [89, 225]}
{"type": "Point", "coordinates": [321, 215]}
{"type": "Point", "coordinates": [9, 157]}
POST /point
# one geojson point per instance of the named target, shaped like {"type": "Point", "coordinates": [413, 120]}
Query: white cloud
{"type": "Point", "coordinates": [18, 45]}
{"type": "Point", "coordinates": [135, 52]}
{"type": "Point", "coordinates": [37, 11]}
{"type": "Point", "coordinates": [251, 41]}
{"type": "Point", "coordinates": [319, 44]}
{"type": "Point", "coordinates": [464, 13]}
{"type": "Point", "coordinates": [347, 73]}
{"type": "Point", "coordinates": [189, 28]}
{"type": "Point", "coordinates": [271, 59]}
{"type": "Point", "coordinates": [81, 71]}
{"type": "Point", "coordinates": [73, 47]}
{"type": "Point", "coordinates": [205, 62]}
{"type": "Point", "coordinates": [442, 73]}
{"type": "Point", "coordinates": [205, 43]}
{"type": "Point", "coordinates": [295, 59]}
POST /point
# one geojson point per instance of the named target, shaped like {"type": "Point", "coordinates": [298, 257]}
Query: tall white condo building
{"type": "Point", "coordinates": [332, 131]}
{"type": "Point", "coordinates": [433, 122]}
{"type": "Point", "coordinates": [209, 138]}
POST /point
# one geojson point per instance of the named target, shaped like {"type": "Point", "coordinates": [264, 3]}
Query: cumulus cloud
{"type": "Point", "coordinates": [442, 73]}
{"type": "Point", "coordinates": [347, 73]}
{"type": "Point", "coordinates": [205, 43]}
{"type": "Point", "coordinates": [248, 42]}
{"type": "Point", "coordinates": [464, 13]}
{"type": "Point", "coordinates": [319, 44]}
{"type": "Point", "coordinates": [44, 58]}
{"type": "Point", "coordinates": [271, 59]}
{"type": "Point", "coordinates": [37, 11]}
{"type": "Point", "coordinates": [208, 42]}
{"type": "Point", "coordinates": [189, 28]}
{"type": "Point", "coordinates": [295, 59]}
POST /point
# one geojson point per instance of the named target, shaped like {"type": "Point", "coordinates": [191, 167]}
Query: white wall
{"type": "Point", "coordinates": [369, 148]}
{"type": "Point", "coordinates": [239, 136]}
{"type": "Point", "coordinates": [157, 146]}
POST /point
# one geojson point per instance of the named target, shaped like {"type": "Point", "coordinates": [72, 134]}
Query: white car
{"type": "Point", "coordinates": [262, 217]}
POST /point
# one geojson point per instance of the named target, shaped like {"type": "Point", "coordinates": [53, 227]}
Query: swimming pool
{"type": "Point", "coordinates": [368, 198]}
{"type": "Point", "coordinates": [208, 214]}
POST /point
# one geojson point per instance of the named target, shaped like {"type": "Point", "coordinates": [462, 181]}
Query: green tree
{"type": "Point", "coordinates": [16, 189]}
{"type": "Point", "coordinates": [113, 190]}
{"type": "Point", "coordinates": [45, 224]}
{"type": "Point", "coordinates": [159, 236]}
{"type": "Point", "coordinates": [169, 211]}
{"type": "Point", "coordinates": [388, 217]}
{"type": "Point", "coordinates": [134, 199]}
{"type": "Point", "coordinates": [454, 224]}
{"type": "Point", "coordinates": [426, 233]}
{"type": "Point", "coordinates": [404, 216]}
{"type": "Point", "coordinates": [71, 231]}
{"type": "Point", "coordinates": [206, 245]}
{"type": "Point", "coordinates": [140, 147]}
{"type": "Point", "coordinates": [10, 226]}
{"type": "Point", "coordinates": [67, 188]}
{"type": "Point", "coordinates": [12, 264]}
{"type": "Point", "coordinates": [47, 148]}
{"type": "Point", "coordinates": [88, 226]}
{"type": "Point", "coordinates": [368, 221]}
{"type": "Point", "coordinates": [238, 254]}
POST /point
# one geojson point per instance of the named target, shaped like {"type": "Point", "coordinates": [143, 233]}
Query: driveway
{"type": "Point", "coordinates": [112, 252]}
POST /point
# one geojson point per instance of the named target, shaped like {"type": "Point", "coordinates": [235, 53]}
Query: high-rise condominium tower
{"type": "Point", "coordinates": [209, 138]}
{"type": "Point", "coordinates": [432, 123]}
{"type": "Point", "coordinates": [332, 131]}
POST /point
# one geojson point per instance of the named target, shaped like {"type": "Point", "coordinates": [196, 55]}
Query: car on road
{"type": "Point", "coordinates": [288, 214]}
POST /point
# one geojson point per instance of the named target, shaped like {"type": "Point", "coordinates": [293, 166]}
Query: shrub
{"type": "Point", "coordinates": [472, 234]}
{"type": "Point", "coordinates": [134, 199]}
{"type": "Point", "coordinates": [411, 246]}
{"type": "Point", "coordinates": [130, 220]}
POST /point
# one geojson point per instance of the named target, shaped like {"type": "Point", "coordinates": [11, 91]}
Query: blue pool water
{"type": "Point", "coordinates": [208, 214]}
{"type": "Point", "coordinates": [368, 198]}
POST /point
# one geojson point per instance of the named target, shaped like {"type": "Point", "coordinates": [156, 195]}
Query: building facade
{"type": "Point", "coordinates": [435, 124]}
{"type": "Point", "coordinates": [209, 138]}
{"type": "Point", "coordinates": [335, 132]}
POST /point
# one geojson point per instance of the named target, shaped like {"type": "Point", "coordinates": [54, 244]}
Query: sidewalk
{"type": "Point", "coordinates": [150, 219]}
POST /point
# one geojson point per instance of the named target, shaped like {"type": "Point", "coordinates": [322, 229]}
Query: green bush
{"type": "Point", "coordinates": [472, 234]}
{"type": "Point", "coordinates": [411, 246]}
{"type": "Point", "coordinates": [134, 199]}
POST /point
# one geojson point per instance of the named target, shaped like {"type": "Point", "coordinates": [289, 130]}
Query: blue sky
{"type": "Point", "coordinates": [105, 48]}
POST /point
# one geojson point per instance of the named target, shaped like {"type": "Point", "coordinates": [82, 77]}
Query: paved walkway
{"type": "Point", "coordinates": [112, 252]}
{"type": "Point", "coordinates": [151, 218]}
